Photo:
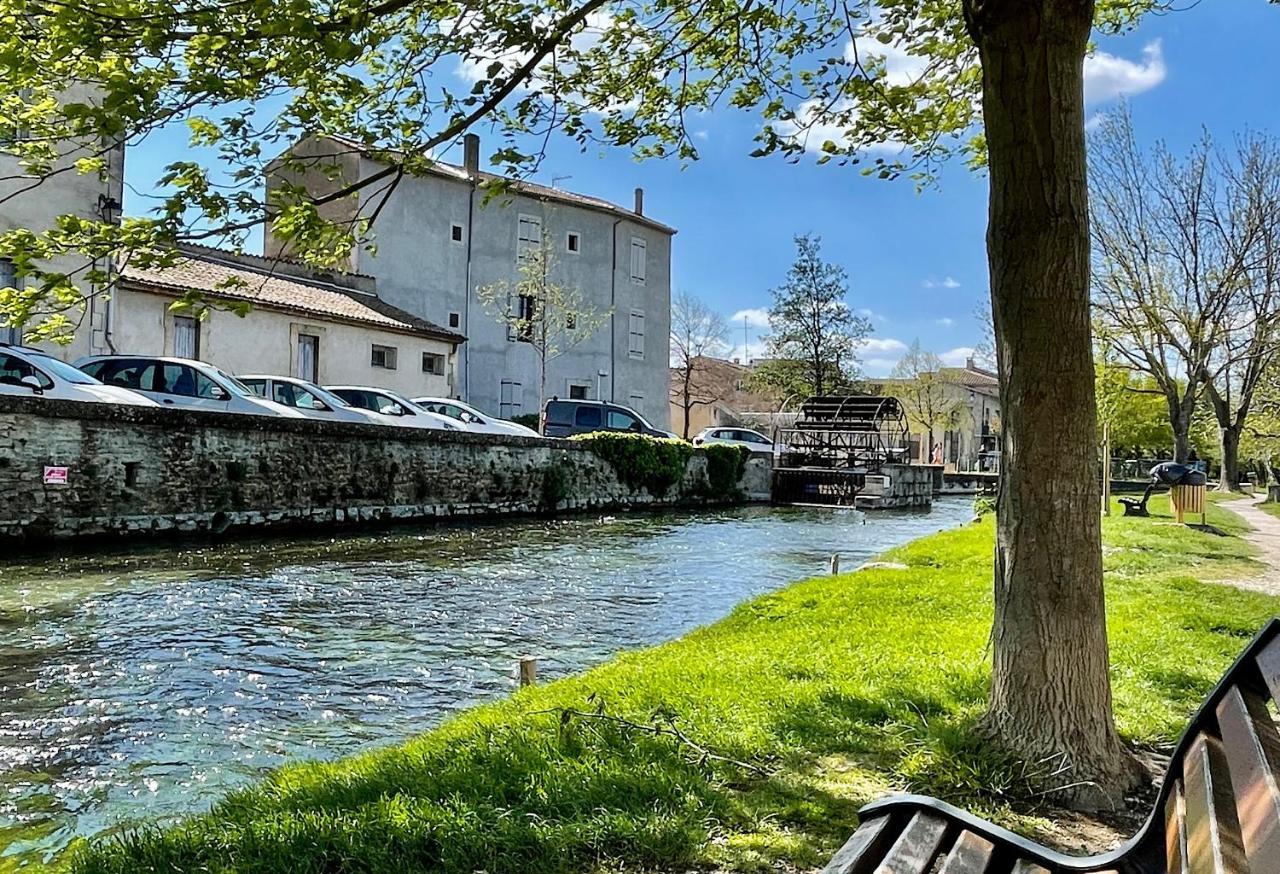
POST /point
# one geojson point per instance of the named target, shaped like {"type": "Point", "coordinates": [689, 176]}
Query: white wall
{"type": "Point", "coordinates": [66, 193]}
{"type": "Point", "coordinates": [266, 341]}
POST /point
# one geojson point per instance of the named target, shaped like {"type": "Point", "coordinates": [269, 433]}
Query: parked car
{"type": "Point", "coordinates": [26, 371]}
{"type": "Point", "coordinates": [181, 382]}
{"type": "Point", "coordinates": [309, 399]}
{"type": "Point", "coordinates": [753, 440]}
{"type": "Point", "coordinates": [472, 418]}
{"type": "Point", "coordinates": [396, 409]}
{"type": "Point", "coordinates": [566, 418]}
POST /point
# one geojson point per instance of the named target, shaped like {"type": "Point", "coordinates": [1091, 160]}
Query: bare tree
{"type": "Point", "coordinates": [929, 397]}
{"type": "Point", "coordinates": [1170, 253]}
{"type": "Point", "coordinates": [550, 317]}
{"type": "Point", "coordinates": [697, 332]}
{"type": "Point", "coordinates": [1251, 332]}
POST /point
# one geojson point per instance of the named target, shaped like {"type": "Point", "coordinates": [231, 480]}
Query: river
{"type": "Point", "coordinates": [146, 684]}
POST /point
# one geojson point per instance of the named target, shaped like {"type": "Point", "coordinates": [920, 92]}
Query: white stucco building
{"type": "Point", "coordinates": [27, 202]}
{"type": "Point", "coordinates": [438, 240]}
{"type": "Point", "coordinates": [325, 326]}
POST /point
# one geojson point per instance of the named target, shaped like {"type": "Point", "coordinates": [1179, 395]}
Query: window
{"type": "Point", "coordinates": [455, 320]}
{"type": "Point", "coordinates": [383, 356]}
{"type": "Point", "coordinates": [178, 379]}
{"type": "Point", "coordinates": [635, 347]}
{"type": "Point", "coordinates": [9, 279]}
{"type": "Point", "coordinates": [588, 417]}
{"type": "Point", "coordinates": [186, 337]}
{"type": "Point", "coordinates": [309, 357]}
{"type": "Point", "coordinates": [620, 421]}
{"type": "Point", "coordinates": [13, 132]}
{"type": "Point", "coordinates": [510, 398]}
{"type": "Point", "coordinates": [639, 261]}
{"type": "Point", "coordinates": [578, 391]}
{"type": "Point", "coordinates": [455, 232]}
{"type": "Point", "coordinates": [433, 363]}
{"type": "Point", "coordinates": [257, 386]}
{"type": "Point", "coordinates": [13, 370]}
{"type": "Point", "coordinates": [526, 312]}
{"type": "Point", "coordinates": [573, 242]}
{"type": "Point", "coordinates": [528, 236]}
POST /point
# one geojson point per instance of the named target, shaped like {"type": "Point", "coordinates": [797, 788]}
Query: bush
{"type": "Point", "coordinates": [641, 462]}
{"type": "Point", "coordinates": [555, 487]}
{"type": "Point", "coordinates": [983, 504]}
{"type": "Point", "coordinates": [529, 420]}
{"type": "Point", "coordinates": [725, 464]}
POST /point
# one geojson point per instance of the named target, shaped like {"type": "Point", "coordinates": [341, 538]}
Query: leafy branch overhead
{"type": "Point", "coordinates": [247, 78]}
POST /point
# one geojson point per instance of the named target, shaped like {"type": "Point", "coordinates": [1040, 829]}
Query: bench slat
{"type": "Point", "coordinates": [1268, 662]}
{"type": "Point", "coordinates": [863, 850]}
{"type": "Point", "coordinates": [1213, 832]}
{"type": "Point", "coordinates": [915, 848]}
{"type": "Point", "coordinates": [1024, 866]}
{"type": "Point", "coordinates": [1252, 748]}
{"type": "Point", "coordinates": [1175, 831]}
{"type": "Point", "coordinates": [970, 855]}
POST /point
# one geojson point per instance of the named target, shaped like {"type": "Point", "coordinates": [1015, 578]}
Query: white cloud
{"type": "Point", "coordinates": [946, 282]}
{"type": "Point", "coordinates": [1107, 76]}
{"type": "Point", "coordinates": [873, 315]}
{"type": "Point", "coordinates": [878, 366]}
{"type": "Point", "coordinates": [756, 317]}
{"type": "Point", "coordinates": [958, 356]}
{"type": "Point", "coordinates": [945, 321]}
{"type": "Point", "coordinates": [882, 346]}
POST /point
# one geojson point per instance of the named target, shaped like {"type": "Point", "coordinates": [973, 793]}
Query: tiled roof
{"type": "Point", "coordinates": [203, 270]}
{"type": "Point", "coordinates": [529, 189]}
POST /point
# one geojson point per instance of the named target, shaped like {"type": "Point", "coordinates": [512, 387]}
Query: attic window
{"type": "Point", "coordinates": [455, 232]}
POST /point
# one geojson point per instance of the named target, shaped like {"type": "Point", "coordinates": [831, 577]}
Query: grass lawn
{"type": "Point", "coordinates": [840, 688]}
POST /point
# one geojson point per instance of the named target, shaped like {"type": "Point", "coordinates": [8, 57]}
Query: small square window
{"type": "Point", "coordinates": [383, 356]}
{"type": "Point", "coordinates": [455, 320]}
{"type": "Point", "coordinates": [577, 391]}
{"type": "Point", "coordinates": [573, 243]}
{"type": "Point", "coordinates": [455, 233]}
{"type": "Point", "coordinates": [433, 363]}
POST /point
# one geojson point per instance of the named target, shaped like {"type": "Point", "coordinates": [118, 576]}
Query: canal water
{"type": "Point", "coordinates": [146, 685]}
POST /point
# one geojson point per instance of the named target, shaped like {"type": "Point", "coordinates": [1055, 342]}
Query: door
{"type": "Point", "coordinates": [186, 337]}
{"type": "Point", "coordinates": [309, 357]}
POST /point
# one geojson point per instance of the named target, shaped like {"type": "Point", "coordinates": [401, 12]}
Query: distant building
{"type": "Point", "coordinates": [31, 203]}
{"type": "Point", "coordinates": [438, 241]}
{"type": "Point", "coordinates": [722, 394]}
{"type": "Point", "coordinates": [972, 440]}
{"type": "Point", "coordinates": [325, 326]}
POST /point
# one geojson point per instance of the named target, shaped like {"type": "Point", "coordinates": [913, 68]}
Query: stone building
{"type": "Point", "coordinates": [971, 438]}
{"type": "Point", "coordinates": [325, 326]}
{"type": "Point", "coordinates": [27, 202]}
{"type": "Point", "coordinates": [720, 393]}
{"type": "Point", "coordinates": [439, 238]}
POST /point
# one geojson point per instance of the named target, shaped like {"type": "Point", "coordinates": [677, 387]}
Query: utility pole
{"type": "Point", "coordinates": [746, 356]}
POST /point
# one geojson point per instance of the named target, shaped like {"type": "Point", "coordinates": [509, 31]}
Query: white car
{"type": "Point", "coordinates": [472, 418]}
{"type": "Point", "coordinates": [395, 409]}
{"type": "Point", "coordinates": [753, 440]}
{"type": "Point", "coordinates": [309, 399]}
{"type": "Point", "coordinates": [28, 372]}
{"type": "Point", "coordinates": [183, 383]}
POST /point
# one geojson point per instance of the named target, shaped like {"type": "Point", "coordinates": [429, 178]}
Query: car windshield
{"type": "Point", "coordinates": [62, 370]}
{"type": "Point", "coordinates": [235, 386]}
{"type": "Point", "coordinates": [325, 395]}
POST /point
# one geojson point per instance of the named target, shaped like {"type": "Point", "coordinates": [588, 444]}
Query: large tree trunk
{"type": "Point", "coordinates": [1229, 476]}
{"type": "Point", "coordinates": [1180, 412]}
{"type": "Point", "coordinates": [1050, 690]}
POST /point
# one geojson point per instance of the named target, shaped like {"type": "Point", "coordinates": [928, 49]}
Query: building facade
{"type": "Point", "coordinates": [720, 392]}
{"type": "Point", "coordinates": [327, 327]}
{"type": "Point", "coordinates": [970, 438]}
{"type": "Point", "coordinates": [33, 204]}
{"type": "Point", "coordinates": [441, 236]}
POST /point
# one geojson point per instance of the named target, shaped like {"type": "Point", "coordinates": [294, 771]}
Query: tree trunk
{"type": "Point", "coordinates": [1180, 412]}
{"type": "Point", "coordinates": [1229, 476]}
{"type": "Point", "coordinates": [1050, 689]}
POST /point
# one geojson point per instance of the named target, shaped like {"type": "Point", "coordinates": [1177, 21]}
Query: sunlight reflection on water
{"type": "Point", "coordinates": [148, 684]}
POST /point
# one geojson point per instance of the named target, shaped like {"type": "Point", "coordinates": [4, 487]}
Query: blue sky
{"type": "Point", "coordinates": [916, 261]}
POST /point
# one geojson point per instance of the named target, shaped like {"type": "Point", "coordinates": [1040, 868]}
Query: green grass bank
{"type": "Point", "coordinates": [826, 694]}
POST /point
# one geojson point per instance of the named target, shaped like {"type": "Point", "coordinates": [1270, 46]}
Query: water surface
{"type": "Point", "coordinates": [146, 685]}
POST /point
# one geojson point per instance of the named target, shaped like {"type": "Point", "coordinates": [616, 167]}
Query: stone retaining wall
{"type": "Point", "coordinates": [898, 486]}
{"type": "Point", "coordinates": [142, 471]}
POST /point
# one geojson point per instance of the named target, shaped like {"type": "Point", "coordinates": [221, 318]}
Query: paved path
{"type": "Point", "coordinates": [1266, 537]}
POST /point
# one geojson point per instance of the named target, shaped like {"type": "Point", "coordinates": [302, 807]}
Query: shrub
{"type": "Point", "coordinates": [651, 463]}
{"type": "Point", "coordinates": [725, 464]}
{"type": "Point", "coordinates": [555, 486]}
{"type": "Point", "coordinates": [983, 504]}
{"type": "Point", "coordinates": [529, 420]}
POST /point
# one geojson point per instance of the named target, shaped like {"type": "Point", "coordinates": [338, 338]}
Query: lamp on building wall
{"type": "Point", "coordinates": [109, 208]}
{"type": "Point", "coordinates": [600, 376]}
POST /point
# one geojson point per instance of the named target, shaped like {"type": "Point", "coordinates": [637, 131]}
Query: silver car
{"type": "Point", "coordinates": [309, 399]}
{"type": "Point", "coordinates": [396, 409]}
{"type": "Point", "coordinates": [182, 382]}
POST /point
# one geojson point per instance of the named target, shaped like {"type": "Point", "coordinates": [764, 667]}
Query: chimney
{"type": "Point", "coordinates": [639, 201]}
{"type": "Point", "coordinates": [471, 153]}
{"type": "Point", "coordinates": [968, 363]}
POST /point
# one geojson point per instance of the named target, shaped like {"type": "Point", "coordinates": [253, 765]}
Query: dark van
{"type": "Point", "coordinates": [566, 418]}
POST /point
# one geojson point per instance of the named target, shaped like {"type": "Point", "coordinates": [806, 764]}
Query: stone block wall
{"type": "Point", "coordinates": [898, 486]}
{"type": "Point", "coordinates": [140, 471]}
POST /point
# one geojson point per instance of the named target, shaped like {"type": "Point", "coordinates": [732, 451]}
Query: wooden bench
{"type": "Point", "coordinates": [1218, 810]}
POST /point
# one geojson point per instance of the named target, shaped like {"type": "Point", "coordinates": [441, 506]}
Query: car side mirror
{"type": "Point", "coordinates": [391, 410]}
{"type": "Point", "coordinates": [33, 383]}
{"type": "Point", "coordinates": [636, 427]}
{"type": "Point", "coordinates": [218, 393]}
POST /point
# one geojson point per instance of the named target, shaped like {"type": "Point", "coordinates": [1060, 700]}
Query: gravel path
{"type": "Point", "coordinates": [1266, 537]}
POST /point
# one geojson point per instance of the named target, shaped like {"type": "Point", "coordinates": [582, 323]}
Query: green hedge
{"type": "Point", "coordinates": [725, 465]}
{"type": "Point", "coordinates": [651, 463]}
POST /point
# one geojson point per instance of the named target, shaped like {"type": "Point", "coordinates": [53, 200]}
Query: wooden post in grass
{"type": "Point", "coordinates": [1106, 469]}
{"type": "Point", "coordinates": [528, 670]}
{"type": "Point", "coordinates": [835, 564]}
